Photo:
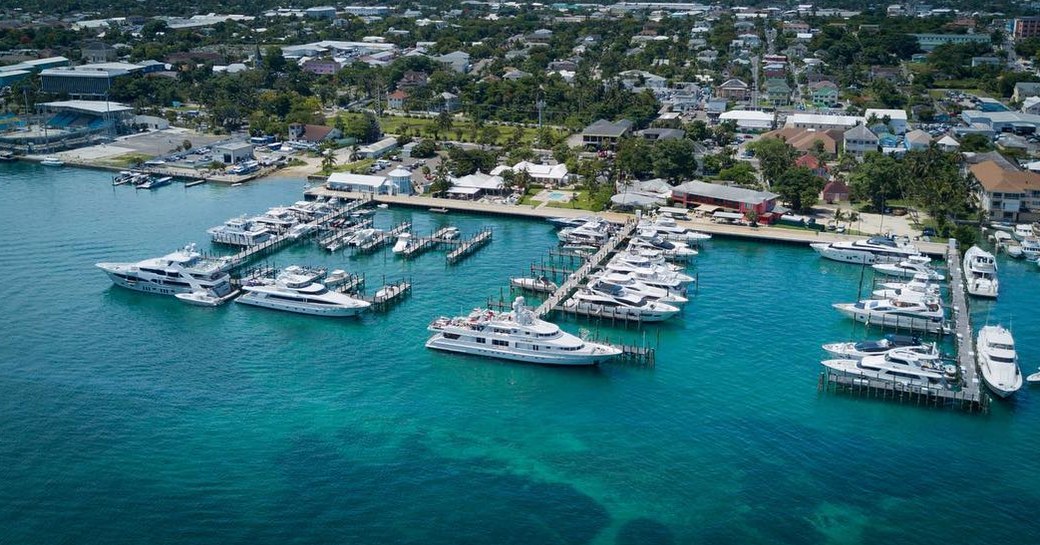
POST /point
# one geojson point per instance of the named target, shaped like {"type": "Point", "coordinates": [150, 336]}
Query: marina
{"type": "Point", "coordinates": [307, 405]}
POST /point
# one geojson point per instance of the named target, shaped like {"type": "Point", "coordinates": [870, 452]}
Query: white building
{"type": "Point", "coordinates": [859, 140]}
{"type": "Point", "coordinates": [554, 175]}
{"type": "Point", "coordinates": [378, 149]}
{"type": "Point", "coordinates": [897, 118]}
{"type": "Point", "coordinates": [358, 183]}
{"type": "Point", "coordinates": [476, 185]}
{"type": "Point", "coordinates": [823, 122]}
{"type": "Point", "coordinates": [749, 119]}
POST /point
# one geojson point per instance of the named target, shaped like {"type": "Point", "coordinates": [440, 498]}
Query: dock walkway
{"type": "Point", "coordinates": [467, 247]}
{"type": "Point", "coordinates": [579, 276]}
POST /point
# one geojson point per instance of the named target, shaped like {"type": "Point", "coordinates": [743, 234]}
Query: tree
{"type": "Point", "coordinates": [186, 144]}
{"type": "Point", "coordinates": [521, 153]}
{"type": "Point", "coordinates": [799, 187]}
{"type": "Point", "coordinates": [741, 173]}
{"type": "Point", "coordinates": [976, 143]}
{"type": "Point", "coordinates": [674, 159]}
{"type": "Point", "coordinates": [424, 149]}
{"type": "Point", "coordinates": [489, 135]}
{"type": "Point", "coordinates": [364, 128]}
{"type": "Point", "coordinates": [444, 123]}
{"type": "Point", "coordinates": [698, 130]}
{"type": "Point", "coordinates": [441, 181]}
{"type": "Point", "coordinates": [633, 158]}
{"type": "Point", "coordinates": [877, 179]}
{"type": "Point", "coordinates": [934, 182]}
{"type": "Point", "coordinates": [774, 155]}
{"type": "Point", "coordinates": [328, 157]}
{"type": "Point", "coordinates": [274, 61]}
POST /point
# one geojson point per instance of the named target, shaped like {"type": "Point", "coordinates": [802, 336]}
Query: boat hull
{"type": "Point", "coordinates": [438, 342]}
{"type": "Point", "coordinates": [301, 308]}
{"type": "Point", "coordinates": [858, 257]}
{"type": "Point", "coordinates": [912, 323]}
{"type": "Point", "coordinates": [1002, 390]}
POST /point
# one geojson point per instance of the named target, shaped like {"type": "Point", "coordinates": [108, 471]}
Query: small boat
{"type": "Point", "coordinates": [1023, 231]}
{"type": "Point", "coordinates": [439, 210]}
{"type": "Point", "coordinates": [155, 183]}
{"type": "Point", "coordinates": [52, 162]}
{"type": "Point", "coordinates": [540, 284]}
{"type": "Point", "coordinates": [6, 156]}
{"type": "Point", "coordinates": [450, 233]}
{"type": "Point", "coordinates": [205, 298]}
{"type": "Point", "coordinates": [383, 205]}
{"type": "Point", "coordinates": [1034, 378]}
{"type": "Point", "coordinates": [336, 277]}
{"type": "Point", "coordinates": [404, 240]}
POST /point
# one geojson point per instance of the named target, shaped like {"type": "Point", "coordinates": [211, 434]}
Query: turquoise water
{"type": "Point", "coordinates": [130, 418]}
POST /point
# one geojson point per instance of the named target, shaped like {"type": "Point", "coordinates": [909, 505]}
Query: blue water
{"type": "Point", "coordinates": [130, 418]}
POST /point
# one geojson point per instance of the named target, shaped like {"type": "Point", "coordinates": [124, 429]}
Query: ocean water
{"type": "Point", "coordinates": [131, 418]}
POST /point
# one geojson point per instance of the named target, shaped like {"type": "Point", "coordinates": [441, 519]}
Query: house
{"type": "Point", "coordinates": [378, 149]}
{"type": "Point", "coordinates": [654, 134]}
{"type": "Point", "coordinates": [395, 101]}
{"type": "Point", "coordinates": [1024, 90]}
{"type": "Point", "coordinates": [321, 66]}
{"type": "Point", "coordinates": [948, 143]}
{"type": "Point", "coordinates": [733, 198]}
{"type": "Point", "coordinates": [778, 91]}
{"type": "Point", "coordinates": [314, 134]}
{"type": "Point", "coordinates": [605, 134]}
{"type": "Point", "coordinates": [476, 185]}
{"type": "Point", "coordinates": [549, 175]}
{"type": "Point", "coordinates": [814, 164]}
{"type": "Point", "coordinates": [457, 61]}
{"type": "Point", "coordinates": [823, 93]}
{"type": "Point", "coordinates": [358, 183]}
{"type": "Point", "coordinates": [638, 78]}
{"type": "Point", "coordinates": [834, 192]}
{"type": "Point", "coordinates": [1031, 105]}
{"type": "Point", "coordinates": [233, 153]}
{"type": "Point", "coordinates": [98, 52]}
{"type": "Point", "coordinates": [412, 79]}
{"type": "Point", "coordinates": [859, 140]}
{"type": "Point", "coordinates": [805, 140]}
{"type": "Point", "coordinates": [447, 102]}
{"type": "Point", "coordinates": [1007, 193]}
{"type": "Point", "coordinates": [890, 73]}
{"type": "Point", "coordinates": [516, 74]}
{"type": "Point", "coordinates": [895, 120]}
{"type": "Point", "coordinates": [917, 140]}
{"type": "Point", "coordinates": [733, 89]}
{"type": "Point", "coordinates": [641, 194]}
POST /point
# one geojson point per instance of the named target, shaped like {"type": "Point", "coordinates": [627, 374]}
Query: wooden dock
{"type": "Point", "coordinates": [389, 294]}
{"type": "Point", "coordinates": [579, 276]}
{"type": "Point", "coordinates": [964, 392]}
{"type": "Point", "coordinates": [384, 238]}
{"type": "Point", "coordinates": [467, 247]}
{"type": "Point", "coordinates": [336, 238]}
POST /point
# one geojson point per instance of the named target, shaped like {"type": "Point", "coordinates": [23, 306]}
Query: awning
{"type": "Point", "coordinates": [464, 190]}
{"type": "Point", "coordinates": [708, 208]}
{"type": "Point", "coordinates": [673, 211]}
{"type": "Point", "coordinates": [727, 216]}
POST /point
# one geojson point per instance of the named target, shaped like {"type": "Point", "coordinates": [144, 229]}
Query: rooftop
{"type": "Point", "coordinates": [724, 192]}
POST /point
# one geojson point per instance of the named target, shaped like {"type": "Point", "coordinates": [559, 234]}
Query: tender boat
{"type": "Point", "coordinates": [450, 233]}
{"type": "Point", "coordinates": [205, 298]}
{"type": "Point", "coordinates": [516, 336]}
{"type": "Point", "coordinates": [153, 182]}
{"type": "Point", "coordinates": [998, 360]}
{"type": "Point", "coordinates": [183, 271]}
{"type": "Point", "coordinates": [297, 290]}
{"type": "Point", "coordinates": [909, 268]}
{"type": "Point", "coordinates": [52, 162]}
{"type": "Point", "coordinates": [403, 241]}
{"type": "Point", "coordinates": [862, 349]}
{"type": "Point", "coordinates": [1014, 251]}
{"type": "Point", "coordinates": [873, 250]}
{"type": "Point", "coordinates": [980, 273]}
{"type": "Point", "coordinates": [625, 307]}
{"type": "Point", "coordinates": [1034, 378]}
{"type": "Point", "coordinates": [899, 365]}
{"type": "Point", "coordinates": [915, 313]}
{"type": "Point", "coordinates": [540, 284]}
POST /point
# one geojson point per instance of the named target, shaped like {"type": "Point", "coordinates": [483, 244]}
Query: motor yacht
{"type": "Point", "coordinates": [632, 280]}
{"type": "Point", "coordinates": [540, 284]}
{"type": "Point", "coordinates": [667, 228]}
{"type": "Point", "coordinates": [364, 236]}
{"type": "Point", "coordinates": [915, 313]}
{"type": "Point", "coordinates": [183, 271]}
{"type": "Point", "coordinates": [572, 222]}
{"type": "Point", "coordinates": [998, 360]}
{"type": "Point", "coordinates": [920, 283]}
{"type": "Point", "coordinates": [873, 250]}
{"type": "Point", "coordinates": [1023, 231]}
{"type": "Point", "coordinates": [862, 349]}
{"type": "Point", "coordinates": [980, 273]}
{"type": "Point", "coordinates": [301, 230]}
{"type": "Point", "coordinates": [900, 365]}
{"type": "Point", "coordinates": [669, 249]}
{"type": "Point", "coordinates": [240, 232]}
{"type": "Point", "coordinates": [516, 336]}
{"type": "Point", "coordinates": [297, 290]}
{"type": "Point", "coordinates": [403, 241]}
{"type": "Point", "coordinates": [624, 306]}
{"type": "Point", "coordinates": [1030, 249]}
{"type": "Point", "coordinates": [591, 233]}
{"type": "Point", "coordinates": [908, 268]}
{"type": "Point", "coordinates": [277, 220]}
{"type": "Point", "coordinates": [155, 182]}
{"type": "Point", "coordinates": [633, 288]}
{"type": "Point", "coordinates": [52, 162]}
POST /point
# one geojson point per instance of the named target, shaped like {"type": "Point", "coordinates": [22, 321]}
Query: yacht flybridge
{"type": "Point", "coordinates": [873, 250]}
{"type": "Point", "coordinates": [298, 290]}
{"type": "Point", "coordinates": [517, 336]}
{"type": "Point", "coordinates": [182, 272]}
{"type": "Point", "coordinates": [980, 273]}
{"type": "Point", "coordinates": [998, 360]}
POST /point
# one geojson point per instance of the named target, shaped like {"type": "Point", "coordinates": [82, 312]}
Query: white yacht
{"type": "Point", "coordinates": [277, 219]}
{"type": "Point", "coordinates": [652, 276]}
{"type": "Point", "coordinates": [540, 284]}
{"type": "Point", "coordinates": [635, 289]}
{"type": "Point", "coordinates": [184, 271]}
{"type": "Point", "coordinates": [1023, 231]}
{"type": "Point", "coordinates": [899, 365]}
{"type": "Point", "coordinates": [301, 230]}
{"type": "Point", "coordinates": [632, 280]}
{"type": "Point", "coordinates": [155, 182]}
{"type": "Point", "coordinates": [908, 268]}
{"type": "Point", "coordinates": [403, 241]}
{"type": "Point", "coordinates": [980, 272]}
{"type": "Point", "coordinates": [571, 222]}
{"type": "Point", "coordinates": [297, 290]}
{"type": "Point", "coordinates": [862, 349]}
{"type": "Point", "coordinates": [239, 232]}
{"type": "Point", "coordinates": [915, 313]}
{"type": "Point", "coordinates": [364, 236]}
{"type": "Point", "coordinates": [873, 250]}
{"type": "Point", "coordinates": [590, 233]}
{"type": "Point", "coordinates": [669, 249]}
{"type": "Point", "coordinates": [920, 283]}
{"type": "Point", "coordinates": [667, 228]}
{"type": "Point", "coordinates": [1030, 248]}
{"type": "Point", "coordinates": [625, 307]}
{"type": "Point", "coordinates": [517, 336]}
{"type": "Point", "coordinates": [998, 361]}
{"type": "Point", "coordinates": [52, 162]}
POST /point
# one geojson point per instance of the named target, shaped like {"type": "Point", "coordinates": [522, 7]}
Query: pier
{"type": "Point", "coordinates": [336, 238]}
{"type": "Point", "coordinates": [580, 276]}
{"type": "Point", "coordinates": [467, 247]}
{"type": "Point", "coordinates": [389, 295]}
{"type": "Point", "coordinates": [385, 238]}
{"type": "Point", "coordinates": [965, 393]}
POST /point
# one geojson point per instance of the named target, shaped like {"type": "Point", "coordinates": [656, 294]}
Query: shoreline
{"type": "Point", "coordinates": [771, 234]}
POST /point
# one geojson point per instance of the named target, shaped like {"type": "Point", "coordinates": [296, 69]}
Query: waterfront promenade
{"type": "Point", "coordinates": [774, 234]}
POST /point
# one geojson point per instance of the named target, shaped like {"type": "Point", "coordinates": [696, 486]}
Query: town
{"type": "Point", "coordinates": [815, 117]}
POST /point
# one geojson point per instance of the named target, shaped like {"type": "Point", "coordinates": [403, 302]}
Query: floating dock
{"type": "Point", "coordinates": [389, 295]}
{"type": "Point", "coordinates": [385, 238]}
{"type": "Point", "coordinates": [337, 238]}
{"type": "Point", "coordinates": [966, 392]}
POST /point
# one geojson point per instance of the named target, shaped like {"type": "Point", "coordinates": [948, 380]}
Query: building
{"type": "Point", "coordinates": [733, 198]}
{"type": "Point", "coordinates": [358, 183]}
{"type": "Point", "coordinates": [412, 79]}
{"type": "Point", "coordinates": [400, 181]}
{"type": "Point", "coordinates": [896, 119]}
{"type": "Point", "coordinates": [948, 143]}
{"type": "Point", "coordinates": [320, 12]}
{"type": "Point", "coordinates": [823, 93]}
{"type": "Point", "coordinates": [367, 11]}
{"type": "Point", "coordinates": [378, 149]}
{"type": "Point", "coordinates": [98, 52]}
{"type": "Point", "coordinates": [85, 81]}
{"type": "Point", "coordinates": [1024, 90]}
{"type": "Point", "coordinates": [457, 61]}
{"type": "Point", "coordinates": [814, 164]}
{"type": "Point", "coordinates": [396, 100]}
{"type": "Point", "coordinates": [834, 192]}
{"type": "Point", "coordinates": [859, 140]}
{"type": "Point", "coordinates": [778, 92]}
{"type": "Point", "coordinates": [605, 134]}
{"type": "Point", "coordinates": [1026, 27]}
{"type": "Point", "coordinates": [10, 77]}
{"type": "Point", "coordinates": [988, 104]}
{"type": "Point", "coordinates": [996, 122]}
{"type": "Point", "coordinates": [321, 66]}
{"type": "Point", "coordinates": [1031, 105]}
{"type": "Point", "coordinates": [986, 61]}
{"type": "Point", "coordinates": [917, 140]}
{"type": "Point", "coordinates": [749, 120]}
{"type": "Point", "coordinates": [314, 134]}
{"type": "Point", "coordinates": [733, 89]}
{"type": "Point", "coordinates": [807, 140]}
{"type": "Point", "coordinates": [823, 122]}
{"type": "Point", "coordinates": [476, 185]}
{"type": "Point", "coordinates": [550, 175]}
{"type": "Point", "coordinates": [233, 153]}
{"type": "Point", "coordinates": [928, 42]}
{"type": "Point", "coordinates": [1006, 193]}
{"type": "Point", "coordinates": [655, 134]}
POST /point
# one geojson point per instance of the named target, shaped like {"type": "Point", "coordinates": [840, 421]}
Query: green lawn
{"type": "Point", "coordinates": [586, 200]}
{"type": "Point", "coordinates": [127, 159]}
{"type": "Point", "coordinates": [357, 167]}
{"type": "Point", "coordinates": [462, 130]}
